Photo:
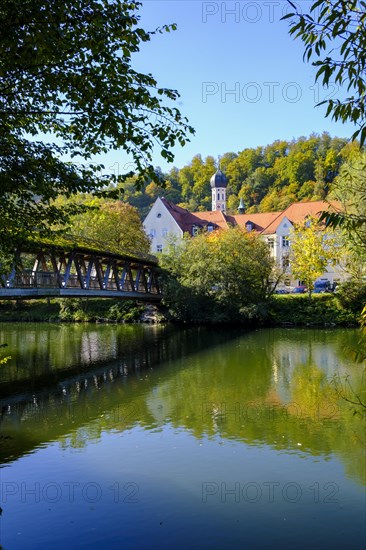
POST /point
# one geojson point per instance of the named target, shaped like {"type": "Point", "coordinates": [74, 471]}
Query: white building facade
{"type": "Point", "coordinates": [158, 224]}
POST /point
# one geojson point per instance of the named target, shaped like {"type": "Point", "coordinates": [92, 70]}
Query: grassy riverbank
{"type": "Point", "coordinates": [280, 310]}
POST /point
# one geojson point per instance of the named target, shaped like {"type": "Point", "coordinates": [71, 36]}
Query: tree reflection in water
{"type": "Point", "coordinates": [273, 387]}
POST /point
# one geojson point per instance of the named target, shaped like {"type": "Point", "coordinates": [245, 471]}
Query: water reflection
{"type": "Point", "coordinates": [270, 387]}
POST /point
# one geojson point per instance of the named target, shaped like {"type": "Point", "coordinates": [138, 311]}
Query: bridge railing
{"type": "Point", "coordinates": [34, 279]}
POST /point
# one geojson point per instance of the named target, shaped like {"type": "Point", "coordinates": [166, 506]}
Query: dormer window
{"type": "Point", "coordinates": [249, 226]}
{"type": "Point", "coordinates": [194, 230]}
{"type": "Point", "coordinates": [209, 227]}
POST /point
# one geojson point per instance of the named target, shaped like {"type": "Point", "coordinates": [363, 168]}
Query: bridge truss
{"type": "Point", "coordinates": [52, 272]}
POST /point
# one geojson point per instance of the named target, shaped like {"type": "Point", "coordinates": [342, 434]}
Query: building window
{"type": "Point", "coordinates": [270, 243]}
{"type": "Point", "coordinates": [194, 230]}
{"type": "Point", "coordinates": [285, 240]}
{"type": "Point", "coordinates": [158, 215]}
{"type": "Point", "coordinates": [218, 207]}
{"type": "Point", "coordinates": [152, 232]}
{"type": "Point", "coordinates": [285, 262]}
{"type": "Point", "coordinates": [218, 196]}
{"type": "Point", "coordinates": [164, 232]}
{"type": "Point", "coordinates": [159, 248]}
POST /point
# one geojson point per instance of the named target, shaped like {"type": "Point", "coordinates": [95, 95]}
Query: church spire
{"type": "Point", "coordinates": [218, 184]}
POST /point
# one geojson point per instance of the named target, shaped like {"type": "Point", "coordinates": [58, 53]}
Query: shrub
{"type": "Point", "coordinates": [322, 310]}
{"type": "Point", "coordinates": [351, 295]}
{"type": "Point", "coordinates": [73, 309]}
{"type": "Point", "coordinates": [124, 311]}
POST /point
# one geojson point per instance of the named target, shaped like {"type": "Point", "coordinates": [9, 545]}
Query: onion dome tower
{"type": "Point", "coordinates": [218, 184]}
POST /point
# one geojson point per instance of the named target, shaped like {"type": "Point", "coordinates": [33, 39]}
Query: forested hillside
{"type": "Point", "coordinates": [268, 178]}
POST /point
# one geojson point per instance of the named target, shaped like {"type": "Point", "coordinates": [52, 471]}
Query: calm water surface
{"type": "Point", "coordinates": [152, 437]}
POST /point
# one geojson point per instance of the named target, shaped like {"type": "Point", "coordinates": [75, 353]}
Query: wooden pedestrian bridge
{"type": "Point", "coordinates": [47, 270]}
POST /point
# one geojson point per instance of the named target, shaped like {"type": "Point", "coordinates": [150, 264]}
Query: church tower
{"type": "Point", "coordinates": [218, 186]}
{"type": "Point", "coordinates": [241, 207]}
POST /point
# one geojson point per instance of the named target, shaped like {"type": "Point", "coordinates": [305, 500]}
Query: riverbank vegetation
{"type": "Point", "coordinates": [70, 310]}
{"type": "Point", "coordinates": [185, 305]}
{"type": "Point", "coordinates": [322, 310]}
{"type": "Point", "coordinates": [290, 310]}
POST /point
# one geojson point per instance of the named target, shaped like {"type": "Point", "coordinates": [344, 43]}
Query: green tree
{"type": "Point", "coordinates": [274, 150]}
{"type": "Point", "coordinates": [334, 33]}
{"type": "Point", "coordinates": [202, 172]}
{"type": "Point", "coordinates": [66, 73]}
{"type": "Point", "coordinates": [195, 183]}
{"type": "Point", "coordinates": [349, 188]}
{"type": "Point", "coordinates": [242, 166]}
{"type": "Point", "coordinates": [115, 225]}
{"type": "Point", "coordinates": [218, 276]}
{"type": "Point", "coordinates": [312, 249]}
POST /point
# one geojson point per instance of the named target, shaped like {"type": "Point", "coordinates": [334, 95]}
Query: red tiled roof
{"type": "Point", "coordinates": [263, 222]}
{"type": "Point", "coordinates": [298, 211]}
{"type": "Point", "coordinates": [186, 220]}
{"type": "Point", "coordinates": [180, 215]}
{"type": "Point", "coordinates": [259, 220]}
{"type": "Point", "coordinates": [216, 218]}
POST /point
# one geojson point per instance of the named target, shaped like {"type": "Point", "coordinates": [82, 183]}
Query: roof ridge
{"type": "Point", "coordinates": [272, 221]}
{"type": "Point", "coordinates": [174, 207]}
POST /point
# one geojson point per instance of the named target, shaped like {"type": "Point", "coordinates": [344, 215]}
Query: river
{"type": "Point", "coordinates": [135, 436]}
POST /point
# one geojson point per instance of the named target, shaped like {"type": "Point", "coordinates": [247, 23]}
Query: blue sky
{"type": "Point", "coordinates": [242, 79]}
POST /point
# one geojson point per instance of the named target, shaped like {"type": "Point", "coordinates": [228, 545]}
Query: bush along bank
{"type": "Point", "coordinates": [324, 310]}
{"type": "Point", "coordinates": [77, 310]}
